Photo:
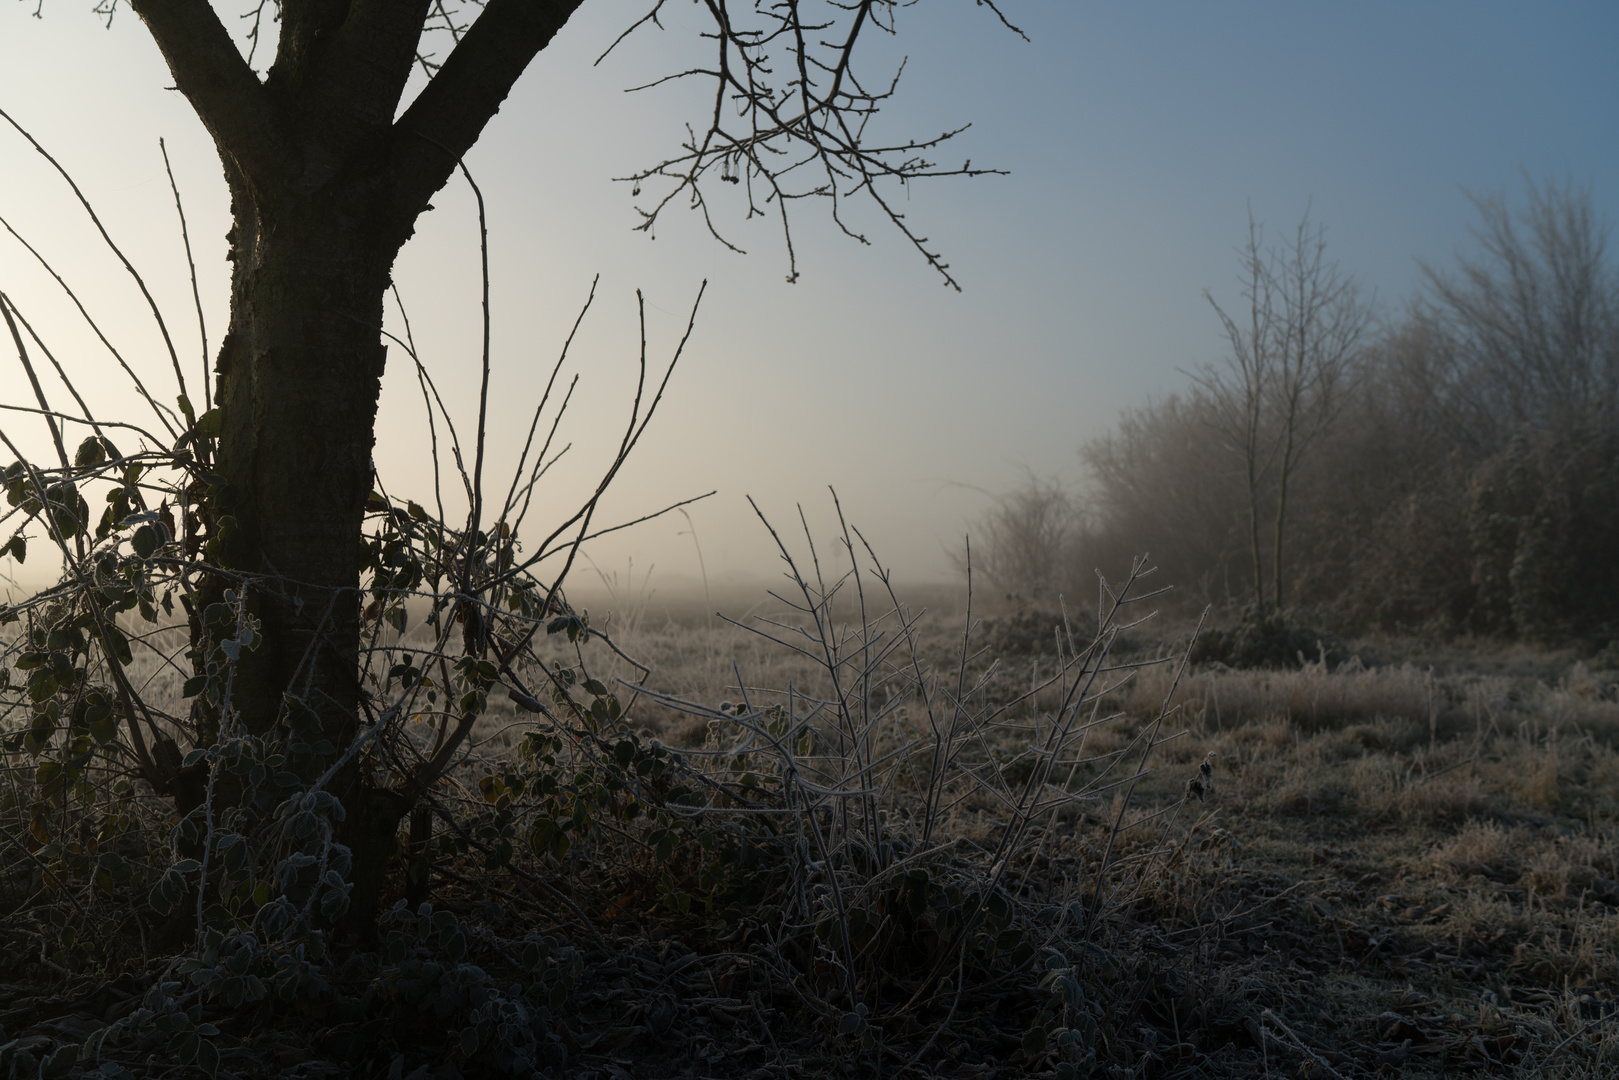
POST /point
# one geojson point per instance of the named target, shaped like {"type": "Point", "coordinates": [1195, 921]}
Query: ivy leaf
{"type": "Point", "coordinates": [90, 452]}
{"type": "Point", "coordinates": [104, 730]}
{"type": "Point", "coordinates": [208, 1054]}
{"type": "Point", "coordinates": [117, 645]}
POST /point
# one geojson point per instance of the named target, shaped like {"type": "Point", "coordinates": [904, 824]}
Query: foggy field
{"type": "Point", "coordinates": [1228, 688]}
{"type": "Point", "coordinates": [1341, 803]}
{"type": "Point", "coordinates": [1398, 863]}
{"type": "Point", "coordinates": [1406, 865]}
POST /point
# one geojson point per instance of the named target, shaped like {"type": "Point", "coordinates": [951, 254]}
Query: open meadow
{"type": "Point", "coordinates": [799, 841]}
{"type": "Point", "coordinates": [319, 759]}
{"type": "Point", "coordinates": [1406, 864]}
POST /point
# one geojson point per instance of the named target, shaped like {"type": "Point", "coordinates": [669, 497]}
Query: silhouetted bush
{"type": "Point", "coordinates": [1265, 640]}
{"type": "Point", "coordinates": [1544, 526]}
{"type": "Point", "coordinates": [1038, 632]}
{"type": "Point", "coordinates": [1469, 482]}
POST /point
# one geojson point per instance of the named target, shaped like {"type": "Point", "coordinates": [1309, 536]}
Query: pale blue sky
{"type": "Point", "coordinates": [1137, 135]}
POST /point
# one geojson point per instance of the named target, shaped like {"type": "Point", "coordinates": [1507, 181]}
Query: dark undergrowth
{"type": "Point", "coordinates": [1431, 892]}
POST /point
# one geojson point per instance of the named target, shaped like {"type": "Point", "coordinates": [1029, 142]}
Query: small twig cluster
{"type": "Point", "coordinates": [858, 786]}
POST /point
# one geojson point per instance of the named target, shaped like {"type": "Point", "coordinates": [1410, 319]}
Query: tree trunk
{"type": "Point", "coordinates": [327, 177]}
{"type": "Point", "coordinates": [298, 379]}
{"type": "Point", "coordinates": [1253, 532]}
{"type": "Point", "coordinates": [1281, 517]}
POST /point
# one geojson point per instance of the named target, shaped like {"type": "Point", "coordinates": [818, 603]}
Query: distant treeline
{"type": "Point", "coordinates": [1453, 468]}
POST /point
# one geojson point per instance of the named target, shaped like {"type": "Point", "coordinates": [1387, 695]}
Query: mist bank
{"type": "Point", "coordinates": [1455, 467]}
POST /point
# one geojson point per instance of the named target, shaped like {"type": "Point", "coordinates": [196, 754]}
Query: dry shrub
{"type": "Point", "coordinates": [1296, 792]}
{"type": "Point", "coordinates": [1388, 788]}
{"type": "Point", "coordinates": [1313, 697]}
{"type": "Point", "coordinates": [1579, 956]}
{"type": "Point", "coordinates": [1576, 869]}
{"type": "Point", "coordinates": [1571, 1044]}
{"type": "Point", "coordinates": [1590, 683]}
{"type": "Point", "coordinates": [1537, 943]}
{"type": "Point", "coordinates": [1568, 706]}
{"type": "Point", "coordinates": [1484, 919]}
{"type": "Point", "coordinates": [1538, 785]}
{"type": "Point", "coordinates": [1483, 848]}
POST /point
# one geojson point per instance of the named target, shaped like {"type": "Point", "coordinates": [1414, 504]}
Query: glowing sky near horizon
{"type": "Point", "coordinates": [1136, 135]}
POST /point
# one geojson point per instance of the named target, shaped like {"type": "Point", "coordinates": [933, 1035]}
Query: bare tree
{"type": "Point", "coordinates": [1322, 326]}
{"type": "Point", "coordinates": [1157, 484]}
{"type": "Point", "coordinates": [1030, 536]}
{"type": "Point", "coordinates": [1528, 330]}
{"type": "Point", "coordinates": [1283, 380]}
{"type": "Point", "coordinates": [329, 167]}
{"type": "Point", "coordinates": [1455, 468]}
{"type": "Point", "coordinates": [1240, 387]}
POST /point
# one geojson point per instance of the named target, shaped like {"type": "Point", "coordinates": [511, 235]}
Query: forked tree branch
{"type": "Point", "coordinates": [447, 117]}
{"type": "Point", "coordinates": [210, 71]}
{"type": "Point", "coordinates": [361, 70]}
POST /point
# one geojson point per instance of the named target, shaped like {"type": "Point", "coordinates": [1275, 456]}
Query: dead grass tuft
{"type": "Point", "coordinates": [1482, 849]}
